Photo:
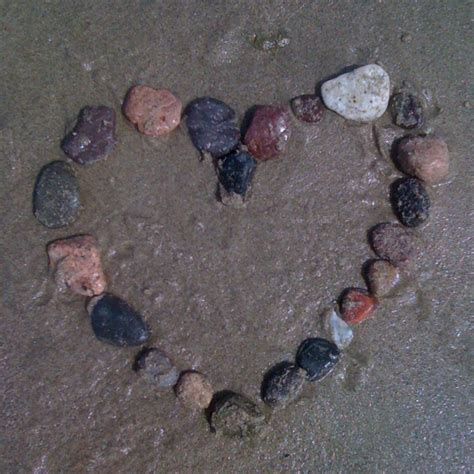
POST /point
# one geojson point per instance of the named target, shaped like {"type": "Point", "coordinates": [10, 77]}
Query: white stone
{"type": "Point", "coordinates": [361, 95]}
{"type": "Point", "coordinates": [341, 332]}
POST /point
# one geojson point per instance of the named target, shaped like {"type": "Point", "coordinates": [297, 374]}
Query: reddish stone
{"type": "Point", "coordinates": [268, 132]}
{"type": "Point", "coordinates": [77, 266]}
{"type": "Point", "coordinates": [307, 108]}
{"type": "Point", "coordinates": [357, 305]}
{"type": "Point", "coordinates": [154, 112]}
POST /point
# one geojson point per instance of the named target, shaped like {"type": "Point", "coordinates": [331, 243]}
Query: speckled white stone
{"type": "Point", "coordinates": [361, 95]}
{"type": "Point", "coordinates": [341, 332]}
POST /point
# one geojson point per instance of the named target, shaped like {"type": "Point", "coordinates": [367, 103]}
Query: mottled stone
{"type": "Point", "coordinates": [156, 367]}
{"type": "Point", "coordinates": [194, 390]}
{"type": "Point", "coordinates": [361, 95]}
{"type": "Point", "coordinates": [425, 157]}
{"type": "Point", "coordinates": [410, 201]}
{"type": "Point", "coordinates": [407, 110]}
{"type": "Point", "coordinates": [115, 322]}
{"type": "Point", "coordinates": [235, 416]}
{"type": "Point", "coordinates": [235, 173]}
{"type": "Point", "coordinates": [317, 357]}
{"type": "Point", "coordinates": [382, 277]}
{"type": "Point", "coordinates": [93, 137]}
{"type": "Point", "coordinates": [268, 132]}
{"type": "Point", "coordinates": [76, 264]}
{"type": "Point", "coordinates": [154, 112]}
{"type": "Point", "coordinates": [357, 305]}
{"type": "Point", "coordinates": [56, 199]}
{"type": "Point", "coordinates": [307, 108]}
{"type": "Point", "coordinates": [341, 333]}
{"type": "Point", "coordinates": [282, 384]}
{"type": "Point", "coordinates": [395, 243]}
{"type": "Point", "coordinates": [211, 126]}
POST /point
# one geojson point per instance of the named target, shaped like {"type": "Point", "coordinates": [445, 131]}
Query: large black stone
{"type": "Point", "coordinates": [317, 357]}
{"type": "Point", "coordinates": [282, 384]}
{"type": "Point", "coordinates": [236, 171]}
{"type": "Point", "coordinates": [410, 201]}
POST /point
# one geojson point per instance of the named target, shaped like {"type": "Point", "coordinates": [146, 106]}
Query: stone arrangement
{"type": "Point", "coordinates": [361, 95]}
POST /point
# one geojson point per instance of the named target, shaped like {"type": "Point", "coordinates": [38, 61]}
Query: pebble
{"type": "Point", "coordinates": [282, 384]}
{"type": "Point", "coordinates": [341, 332]}
{"type": "Point", "coordinates": [361, 95]}
{"type": "Point", "coordinates": [425, 157]}
{"type": "Point", "coordinates": [93, 137]}
{"type": "Point", "coordinates": [211, 126]}
{"type": "Point", "coordinates": [156, 367]}
{"type": "Point", "coordinates": [115, 322]}
{"type": "Point", "coordinates": [307, 108]}
{"type": "Point", "coordinates": [406, 38]}
{"type": "Point", "coordinates": [269, 132]}
{"type": "Point", "coordinates": [317, 357]}
{"type": "Point", "coordinates": [236, 416]}
{"type": "Point", "coordinates": [154, 112]}
{"type": "Point", "coordinates": [194, 390]}
{"type": "Point", "coordinates": [395, 243]}
{"type": "Point", "coordinates": [77, 266]}
{"type": "Point", "coordinates": [410, 201]}
{"type": "Point", "coordinates": [382, 277]}
{"type": "Point", "coordinates": [407, 110]}
{"type": "Point", "coordinates": [56, 199]}
{"type": "Point", "coordinates": [357, 305]}
{"type": "Point", "coordinates": [236, 171]}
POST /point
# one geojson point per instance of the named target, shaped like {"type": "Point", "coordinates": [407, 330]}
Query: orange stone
{"type": "Point", "coordinates": [154, 112]}
{"type": "Point", "coordinates": [357, 305]}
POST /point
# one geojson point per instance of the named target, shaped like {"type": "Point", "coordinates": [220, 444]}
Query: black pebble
{"type": "Point", "coordinates": [282, 384]}
{"type": "Point", "coordinates": [407, 110]}
{"type": "Point", "coordinates": [56, 199]}
{"type": "Point", "coordinates": [410, 201]}
{"type": "Point", "coordinates": [93, 137]}
{"type": "Point", "coordinates": [211, 126]}
{"type": "Point", "coordinates": [317, 357]}
{"type": "Point", "coordinates": [115, 322]}
{"type": "Point", "coordinates": [236, 171]}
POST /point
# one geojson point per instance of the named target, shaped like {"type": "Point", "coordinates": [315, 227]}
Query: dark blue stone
{"type": "Point", "coordinates": [115, 322]}
{"type": "Point", "coordinates": [236, 171]}
{"type": "Point", "coordinates": [212, 127]}
{"type": "Point", "coordinates": [317, 357]}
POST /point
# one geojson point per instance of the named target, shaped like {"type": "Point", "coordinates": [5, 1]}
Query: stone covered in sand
{"type": "Point", "coordinates": [194, 390]}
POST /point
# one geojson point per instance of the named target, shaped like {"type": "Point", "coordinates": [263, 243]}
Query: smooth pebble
{"type": "Point", "coordinates": [341, 333]}
{"type": "Point", "coordinates": [357, 305]}
{"type": "Point", "coordinates": [382, 277]}
{"type": "Point", "coordinates": [282, 384]}
{"type": "Point", "coordinates": [317, 357]}
{"type": "Point", "coordinates": [194, 390]}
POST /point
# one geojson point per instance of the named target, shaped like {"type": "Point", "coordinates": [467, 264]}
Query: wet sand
{"type": "Point", "coordinates": [231, 292]}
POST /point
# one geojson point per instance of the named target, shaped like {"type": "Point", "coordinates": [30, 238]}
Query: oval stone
{"type": "Point", "coordinates": [317, 357]}
{"type": "Point", "coordinates": [156, 367]}
{"type": "Point", "coordinates": [307, 108]}
{"type": "Point", "coordinates": [282, 384]}
{"type": "Point", "coordinates": [115, 322]}
{"type": "Point", "coordinates": [236, 171]}
{"type": "Point", "coordinates": [56, 198]}
{"type": "Point", "coordinates": [410, 201]}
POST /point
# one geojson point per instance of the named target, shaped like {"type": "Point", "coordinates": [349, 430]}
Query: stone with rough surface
{"type": "Point", "coordinates": [194, 390]}
{"type": "Point", "coordinates": [382, 277]}
{"type": "Point", "coordinates": [307, 108]}
{"type": "Point", "coordinates": [410, 201]}
{"type": "Point", "coordinates": [407, 110]}
{"type": "Point", "coordinates": [156, 367]}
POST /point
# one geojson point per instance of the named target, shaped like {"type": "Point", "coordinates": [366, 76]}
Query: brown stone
{"type": "Point", "coordinates": [76, 265]}
{"type": "Point", "coordinates": [382, 277]}
{"type": "Point", "coordinates": [357, 305]}
{"type": "Point", "coordinates": [154, 112]}
{"type": "Point", "coordinates": [194, 390]}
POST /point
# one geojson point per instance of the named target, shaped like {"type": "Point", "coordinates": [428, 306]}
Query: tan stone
{"type": "Point", "coordinates": [194, 390]}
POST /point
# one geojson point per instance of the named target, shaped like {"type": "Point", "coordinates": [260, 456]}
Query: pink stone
{"type": "Point", "coordinates": [268, 132]}
{"type": "Point", "coordinates": [76, 265]}
{"type": "Point", "coordinates": [154, 112]}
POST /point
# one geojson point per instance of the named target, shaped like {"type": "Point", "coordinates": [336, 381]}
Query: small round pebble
{"type": "Point", "coordinates": [282, 384]}
{"type": "Point", "coordinates": [93, 137]}
{"type": "Point", "coordinates": [357, 305]}
{"type": "Point", "coordinates": [115, 322]}
{"type": "Point", "coordinates": [341, 332]}
{"type": "Point", "coordinates": [410, 201]}
{"type": "Point", "coordinates": [382, 277]}
{"type": "Point", "coordinates": [406, 38]}
{"type": "Point", "coordinates": [236, 171]}
{"type": "Point", "coordinates": [407, 110]}
{"type": "Point", "coordinates": [307, 108]}
{"type": "Point", "coordinates": [154, 112]}
{"type": "Point", "coordinates": [56, 199]}
{"type": "Point", "coordinates": [194, 390]}
{"type": "Point", "coordinates": [395, 243]}
{"type": "Point", "coordinates": [269, 132]}
{"type": "Point", "coordinates": [156, 367]}
{"type": "Point", "coordinates": [317, 357]}
{"type": "Point", "coordinates": [425, 157]}
{"type": "Point", "coordinates": [235, 416]}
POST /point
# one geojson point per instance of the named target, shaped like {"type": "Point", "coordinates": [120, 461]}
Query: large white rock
{"type": "Point", "coordinates": [361, 95]}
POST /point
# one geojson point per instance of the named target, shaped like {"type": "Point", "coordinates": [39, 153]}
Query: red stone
{"type": "Point", "coordinates": [307, 108]}
{"type": "Point", "coordinates": [357, 305]}
{"type": "Point", "coordinates": [268, 132]}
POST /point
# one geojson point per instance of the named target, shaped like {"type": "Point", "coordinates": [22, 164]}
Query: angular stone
{"type": "Point", "coordinates": [425, 157]}
{"type": "Point", "coordinates": [115, 322]}
{"type": "Point", "coordinates": [236, 171]}
{"type": "Point", "coordinates": [269, 132]}
{"type": "Point", "coordinates": [56, 199]}
{"type": "Point", "coordinates": [361, 95]}
{"type": "Point", "coordinates": [410, 201]}
{"type": "Point", "coordinates": [194, 390]}
{"type": "Point", "coordinates": [93, 137]}
{"type": "Point", "coordinates": [154, 112]}
{"type": "Point", "coordinates": [382, 277]}
{"type": "Point", "coordinates": [282, 384]}
{"type": "Point", "coordinates": [357, 305]}
{"type": "Point", "coordinates": [235, 416]}
{"type": "Point", "coordinates": [317, 357]}
{"type": "Point", "coordinates": [156, 367]}
{"type": "Point", "coordinates": [76, 264]}
{"type": "Point", "coordinates": [407, 110]}
{"type": "Point", "coordinates": [307, 108]}
{"type": "Point", "coordinates": [341, 332]}
{"type": "Point", "coordinates": [211, 126]}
